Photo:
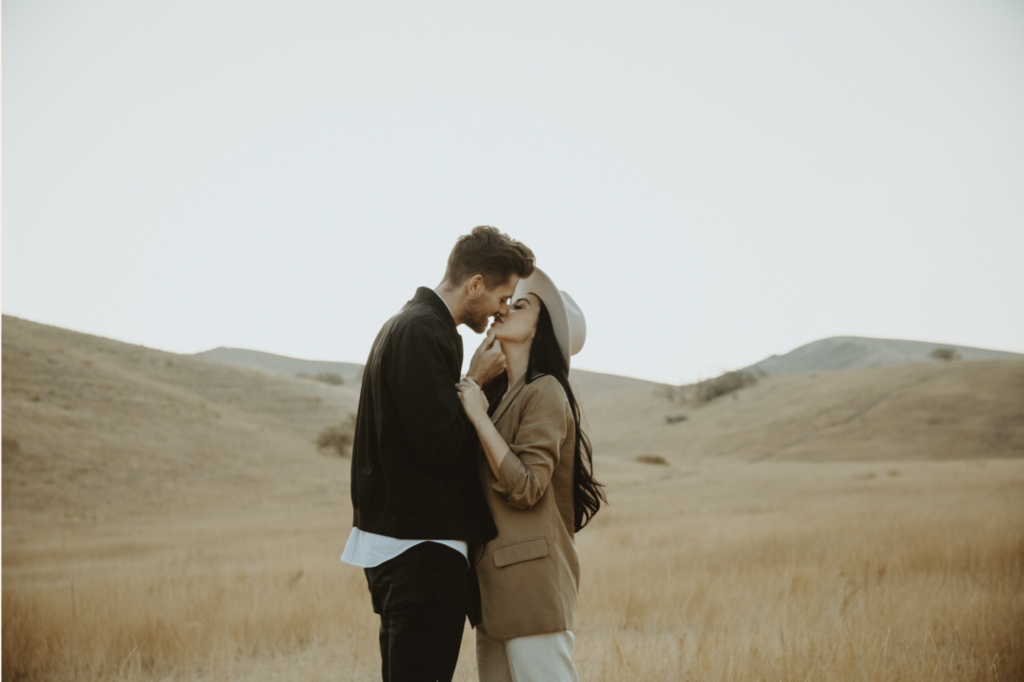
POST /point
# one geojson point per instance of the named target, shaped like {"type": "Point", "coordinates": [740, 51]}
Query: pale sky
{"type": "Point", "coordinates": [713, 182]}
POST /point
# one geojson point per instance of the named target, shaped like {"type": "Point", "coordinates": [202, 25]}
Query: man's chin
{"type": "Point", "coordinates": [479, 326]}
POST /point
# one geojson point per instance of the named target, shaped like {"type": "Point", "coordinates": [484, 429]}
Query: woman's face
{"type": "Point", "coordinates": [520, 324]}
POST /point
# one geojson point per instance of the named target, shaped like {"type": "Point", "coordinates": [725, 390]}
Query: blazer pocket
{"type": "Point", "coordinates": [520, 551]}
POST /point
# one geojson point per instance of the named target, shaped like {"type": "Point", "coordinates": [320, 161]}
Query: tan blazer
{"type": "Point", "coordinates": [529, 575]}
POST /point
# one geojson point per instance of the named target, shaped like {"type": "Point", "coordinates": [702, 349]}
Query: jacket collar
{"type": "Point", "coordinates": [433, 300]}
{"type": "Point", "coordinates": [510, 397]}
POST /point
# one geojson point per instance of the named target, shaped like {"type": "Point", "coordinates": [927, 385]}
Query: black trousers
{"type": "Point", "coordinates": [421, 598]}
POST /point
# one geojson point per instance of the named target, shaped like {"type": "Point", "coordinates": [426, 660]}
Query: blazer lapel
{"type": "Point", "coordinates": [509, 398]}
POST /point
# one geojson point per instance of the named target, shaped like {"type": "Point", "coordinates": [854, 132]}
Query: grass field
{"type": "Point", "coordinates": [904, 571]}
{"type": "Point", "coordinates": [168, 518]}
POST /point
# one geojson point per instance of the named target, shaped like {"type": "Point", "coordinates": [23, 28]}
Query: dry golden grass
{"type": "Point", "coordinates": [810, 572]}
{"type": "Point", "coordinates": [724, 572]}
{"type": "Point", "coordinates": [166, 518]}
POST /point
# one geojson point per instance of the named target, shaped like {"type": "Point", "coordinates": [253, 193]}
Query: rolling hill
{"type": "Point", "coordinates": [936, 411]}
{"type": "Point", "coordinates": [95, 427]}
{"type": "Point", "coordinates": [280, 364]}
{"type": "Point", "coordinates": [857, 352]}
{"type": "Point", "coordinates": [836, 399]}
{"type": "Point", "coordinates": [167, 517]}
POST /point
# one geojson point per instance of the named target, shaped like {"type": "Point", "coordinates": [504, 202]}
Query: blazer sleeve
{"type": "Point", "coordinates": [525, 472]}
{"type": "Point", "coordinates": [420, 382]}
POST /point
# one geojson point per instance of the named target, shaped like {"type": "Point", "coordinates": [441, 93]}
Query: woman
{"type": "Point", "coordinates": [536, 468]}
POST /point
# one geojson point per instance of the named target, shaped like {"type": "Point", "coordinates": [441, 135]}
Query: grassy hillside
{"type": "Point", "coordinates": [937, 411]}
{"type": "Point", "coordinates": [857, 352]}
{"type": "Point", "coordinates": [93, 427]}
{"type": "Point", "coordinates": [168, 517]}
{"type": "Point", "coordinates": [96, 426]}
{"type": "Point", "coordinates": [907, 409]}
{"type": "Point", "coordinates": [279, 364]}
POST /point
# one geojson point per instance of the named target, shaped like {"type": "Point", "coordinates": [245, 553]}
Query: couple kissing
{"type": "Point", "coordinates": [467, 491]}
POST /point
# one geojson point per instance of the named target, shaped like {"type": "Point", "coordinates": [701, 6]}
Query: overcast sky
{"type": "Point", "coordinates": [713, 182]}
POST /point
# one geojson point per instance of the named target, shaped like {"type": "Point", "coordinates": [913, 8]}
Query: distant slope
{"type": "Point", "coordinates": [94, 427]}
{"type": "Point", "coordinates": [587, 382]}
{"type": "Point", "coordinates": [281, 364]}
{"type": "Point", "coordinates": [932, 411]}
{"type": "Point", "coordinates": [849, 352]}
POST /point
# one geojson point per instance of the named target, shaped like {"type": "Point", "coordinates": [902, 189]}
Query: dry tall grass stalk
{"type": "Point", "coordinates": [727, 573]}
{"type": "Point", "coordinates": [933, 593]}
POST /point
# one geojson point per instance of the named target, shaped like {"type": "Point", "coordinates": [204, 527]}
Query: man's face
{"type": "Point", "coordinates": [485, 303]}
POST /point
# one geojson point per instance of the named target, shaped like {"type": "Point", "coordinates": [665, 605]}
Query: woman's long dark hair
{"type": "Point", "coordinates": [546, 358]}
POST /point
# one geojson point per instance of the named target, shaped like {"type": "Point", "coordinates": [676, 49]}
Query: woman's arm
{"type": "Point", "coordinates": [523, 469]}
{"type": "Point", "coordinates": [475, 404]}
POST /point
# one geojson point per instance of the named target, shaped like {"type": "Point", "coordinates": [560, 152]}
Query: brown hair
{"type": "Point", "coordinates": [491, 253]}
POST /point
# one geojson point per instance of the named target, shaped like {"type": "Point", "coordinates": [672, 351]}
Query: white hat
{"type": "Point", "coordinates": [566, 317]}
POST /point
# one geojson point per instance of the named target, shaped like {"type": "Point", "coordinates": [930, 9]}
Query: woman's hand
{"type": "Point", "coordinates": [473, 400]}
{"type": "Point", "coordinates": [475, 404]}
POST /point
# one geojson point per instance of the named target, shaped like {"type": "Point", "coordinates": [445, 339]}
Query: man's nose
{"type": "Point", "coordinates": [502, 309]}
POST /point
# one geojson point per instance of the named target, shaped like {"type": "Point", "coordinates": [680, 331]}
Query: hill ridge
{"type": "Point", "coordinates": [98, 426]}
{"type": "Point", "coordinates": [281, 364]}
{"type": "Point", "coordinates": [853, 352]}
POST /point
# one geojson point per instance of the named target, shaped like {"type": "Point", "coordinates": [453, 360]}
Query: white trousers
{"type": "Point", "coordinates": [535, 658]}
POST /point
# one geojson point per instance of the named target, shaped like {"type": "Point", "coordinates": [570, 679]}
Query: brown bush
{"type": "Point", "coordinates": [945, 354]}
{"type": "Point", "coordinates": [331, 378]}
{"type": "Point", "coordinates": [729, 382]}
{"type": "Point", "coordinates": [338, 438]}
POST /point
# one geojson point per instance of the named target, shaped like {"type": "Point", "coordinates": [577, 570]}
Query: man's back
{"type": "Point", "coordinates": [414, 473]}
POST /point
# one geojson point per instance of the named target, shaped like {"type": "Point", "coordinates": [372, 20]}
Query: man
{"type": "Point", "coordinates": [416, 491]}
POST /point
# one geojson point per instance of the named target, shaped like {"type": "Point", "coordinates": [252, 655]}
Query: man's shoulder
{"type": "Point", "coordinates": [416, 317]}
{"type": "Point", "coordinates": [415, 327]}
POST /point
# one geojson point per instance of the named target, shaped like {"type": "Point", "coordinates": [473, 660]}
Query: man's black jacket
{"type": "Point", "coordinates": [414, 469]}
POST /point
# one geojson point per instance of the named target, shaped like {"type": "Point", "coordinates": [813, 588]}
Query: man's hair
{"type": "Point", "coordinates": [489, 252]}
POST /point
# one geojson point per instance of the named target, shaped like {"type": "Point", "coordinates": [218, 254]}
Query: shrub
{"type": "Point", "coordinates": [339, 437]}
{"type": "Point", "coordinates": [729, 382]}
{"type": "Point", "coordinates": [325, 377]}
{"type": "Point", "coordinates": [945, 354]}
{"type": "Point", "coordinates": [652, 459]}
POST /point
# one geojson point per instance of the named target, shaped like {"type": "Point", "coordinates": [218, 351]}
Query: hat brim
{"type": "Point", "coordinates": [541, 286]}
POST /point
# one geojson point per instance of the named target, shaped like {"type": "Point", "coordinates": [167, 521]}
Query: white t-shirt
{"type": "Point", "coordinates": [366, 550]}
